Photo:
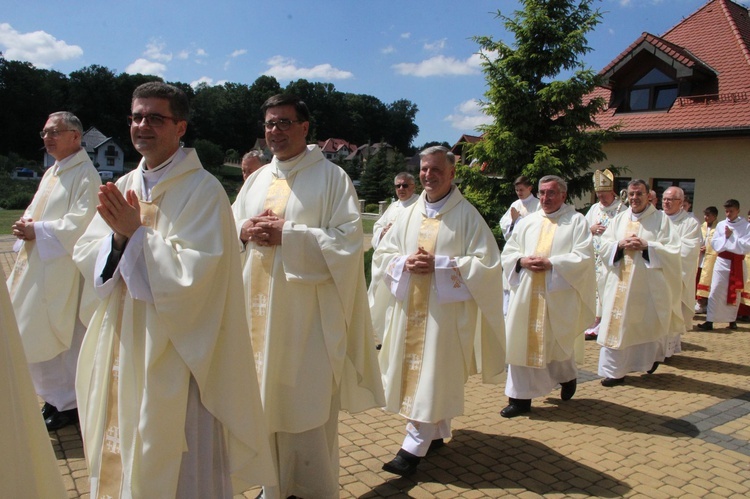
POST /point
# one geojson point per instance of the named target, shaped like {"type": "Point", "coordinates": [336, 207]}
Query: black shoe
{"type": "Point", "coordinates": [61, 419]}
{"type": "Point", "coordinates": [436, 444]}
{"type": "Point", "coordinates": [516, 407]}
{"type": "Point", "coordinates": [732, 325]}
{"type": "Point", "coordinates": [404, 464]}
{"type": "Point", "coordinates": [706, 326]}
{"type": "Point", "coordinates": [48, 410]}
{"type": "Point", "coordinates": [590, 337]}
{"type": "Point", "coordinates": [613, 381]}
{"type": "Point", "coordinates": [653, 368]}
{"type": "Point", "coordinates": [568, 389]}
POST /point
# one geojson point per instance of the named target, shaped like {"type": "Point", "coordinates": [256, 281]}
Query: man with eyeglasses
{"type": "Point", "coordinates": [162, 413]}
{"type": "Point", "coordinates": [298, 221]}
{"type": "Point", "coordinates": [45, 285]}
{"type": "Point", "coordinates": [689, 230]}
{"type": "Point", "coordinates": [405, 185]}
{"type": "Point", "coordinates": [643, 285]}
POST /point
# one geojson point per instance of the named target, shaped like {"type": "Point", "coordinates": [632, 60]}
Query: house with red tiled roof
{"type": "Point", "coordinates": [334, 149]}
{"type": "Point", "coordinates": [682, 104]}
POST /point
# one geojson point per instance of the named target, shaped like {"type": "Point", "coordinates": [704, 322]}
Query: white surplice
{"type": "Point", "coordinates": [718, 310]}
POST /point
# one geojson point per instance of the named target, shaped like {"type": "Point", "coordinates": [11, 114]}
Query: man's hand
{"type": "Point", "coordinates": [514, 214]}
{"type": "Point", "coordinates": [121, 213]}
{"type": "Point", "coordinates": [536, 263]}
{"type": "Point", "coordinates": [385, 229]}
{"type": "Point", "coordinates": [23, 229]}
{"type": "Point", "coordinates": [632, 242]}
{"type": "Point", "coordinates": [263, 230]}
{"type": "Point", "coordinates": [597, 229]}
{"type": "Point", "coordinates": [420, 262]}
{"type": "Point", "coordinates": [728, 231]}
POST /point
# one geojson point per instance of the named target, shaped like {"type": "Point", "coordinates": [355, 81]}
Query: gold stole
{"type": "Point", "coordinates": [262, 258]}
{"type": "Point", "coordinates": [110, 470]}
{"type": "Point", "coordinates": [614, 333]}
{"type": "Point", "coordinates": [22, 260]}
{"type": "Point", "coordinates": [416, 321]}
{"type": "Point", "coordinates": [538, 305]}
{"type": "Point", "coordinates": [703, 287]}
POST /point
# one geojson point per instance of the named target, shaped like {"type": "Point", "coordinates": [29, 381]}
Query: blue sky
{"type": "Point", "coordinates": [420, 50]}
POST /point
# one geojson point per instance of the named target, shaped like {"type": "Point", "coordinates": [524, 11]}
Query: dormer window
{"type": "Point", "coordinates": [653, 92]}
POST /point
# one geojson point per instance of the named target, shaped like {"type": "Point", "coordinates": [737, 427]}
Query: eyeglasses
{"type": "Point", "coordinates": [665, 200]}
{"type": "Point", "coordinates": [282, 124]}
{"type": "Point", "coordinates": [401, 186]}
{"type": "Point", "coordinates": [153, 120]}
{"type": "Point", "coordinates": [53, 133]}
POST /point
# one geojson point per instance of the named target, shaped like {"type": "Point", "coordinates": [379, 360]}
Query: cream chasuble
{"type": "Point", "coordinates": [709, 259]}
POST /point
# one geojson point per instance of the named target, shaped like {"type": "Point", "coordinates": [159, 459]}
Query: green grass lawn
{"type": "Point", "coordinates": [366, 225]}
{"type": "Point", "coordinates": [7, 217]}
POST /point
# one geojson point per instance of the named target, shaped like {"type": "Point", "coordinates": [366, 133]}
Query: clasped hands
{"type": "Point", "coordinates": [263, 230]}
{"type": "Point", "coordinates": [121, 213]}
{"type": "Point", "coordinates": [536, 263]}
{"type": "Point", "coordinates": [420, 262]}
{"type": "Point", "coordinates": [632, 242]}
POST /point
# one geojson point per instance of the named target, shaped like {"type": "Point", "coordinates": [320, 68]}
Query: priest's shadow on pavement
{"type": "Point", "coordinates": [607, 414]}
{"type": "Point", "coordinates": [680, 383]}
{"type": "Point", "coordinates": [687, 363]}
{"type": "Point", "coordinates": [692, 347]}
{"type": "Point", "coordinates": [473, 460]}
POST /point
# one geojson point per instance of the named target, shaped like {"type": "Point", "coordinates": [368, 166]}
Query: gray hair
{"type": "Point", "coordinates": [405, 175]}
{"type": "Point", "coordinates": [255, 153]}
{"type": "Point", "coordinates": [69, 119]}
{"type": "Point", "coordinates": [449, 156]}
{"type": "Point", "coordinates": [563, 185]}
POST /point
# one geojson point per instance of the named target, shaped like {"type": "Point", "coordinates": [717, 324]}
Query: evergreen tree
{"type": "Point", "coordinates": [542, 125]}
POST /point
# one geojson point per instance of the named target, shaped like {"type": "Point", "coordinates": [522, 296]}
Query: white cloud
{"type": "Point", "coordinates": [440, 65]}
{"type": "Point", "coordinates": [406, 35]}
{"type": "Point", "coordinates": [468, 116]}
{"type": "Point", "coordinates": [155, 51]}
{"type": "Point", "coordinates": [284, 68]}
{"type": "Point", "coordinates": [146, 67]}
{"type": "Point", "coordinates": [201, 53]}
{"type": "Point", "coordinates": [624, 3]}
{"type": "Point", "coordinates": [183, 54]}
{"type": "Point", "coordinates": [388, 50]}
{"type": "Point", "coordinates": [208, 81]}
{"type": "Point", "coordinates": [238, 53]}
{"type": "Point", "coordinates": [435, 46]}
{"type": "Point", "coordinates": [39, 48]}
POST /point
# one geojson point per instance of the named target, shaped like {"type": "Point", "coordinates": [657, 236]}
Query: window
{"type": "Point", "coordinates": [110, 161]}
{"type": "Point", "coordinates": [652, 92]}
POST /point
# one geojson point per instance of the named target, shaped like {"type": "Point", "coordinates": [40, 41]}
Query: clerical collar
{"type": "Point", "coordinates": [735, 220]}
{"type": "Point", "coordinates": [637, 216]}
{"type": "Point", "coordinates": [284, 167]}
{"type": "Point", "coordinates": [530, 198]}
{"type": "Point", "coordinates": [59, 165]}
{"type": "Point", "coordinates": [151, 177]}
{"type": "Point", "coordinates": [554, 214]}
{"type": "Point", "coordinates": [434, 208]}
{"type": "Point", "coordinates": [673, 217]}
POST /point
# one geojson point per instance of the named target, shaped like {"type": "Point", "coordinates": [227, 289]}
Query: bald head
{"type": "Point", "coordinates": [671, 200]}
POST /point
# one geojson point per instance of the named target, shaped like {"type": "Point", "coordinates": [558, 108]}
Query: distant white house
{"type": "Point", "coordinates": [105, 152]}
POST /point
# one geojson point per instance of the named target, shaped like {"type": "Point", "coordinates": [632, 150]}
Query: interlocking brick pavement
{"type": "Point", "coordinates": [683, 431]}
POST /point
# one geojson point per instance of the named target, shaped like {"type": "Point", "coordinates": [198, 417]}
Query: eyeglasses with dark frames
{"type": "Point", "coordinates": [152, 120]}
{"type": "Point", "coordinates": [401, 186]}
{"type": "Point", "coordinates": [282, 124]}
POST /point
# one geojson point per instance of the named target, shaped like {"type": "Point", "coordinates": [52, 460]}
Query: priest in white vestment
{"type": "Point", "coordinates": [609, 205]}
{"type": "Point", "coordinates": [549, 264]}
{"type": "Point", "coordinates": [643, 288]}
{"type": "Point", "coordinates": [689, 232]}
{"type": "Point", "coordinates": [28, 467]}
{"type": "Point", "coordinates": [45, 285]}
{"type": "Point", "coordinates": [731, 241]}
{"type": "Point", "coordinates": [437, 275]}
{"type": "Point", "coordinates": [298, 219]}
{"type": "Point", "coordinates": [169, 404]}
{"type": "Point", "coordinates": [404, 184]}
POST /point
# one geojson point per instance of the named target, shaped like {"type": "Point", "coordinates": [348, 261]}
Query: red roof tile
{"type": "Point", "coordinates": [715, 38]}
